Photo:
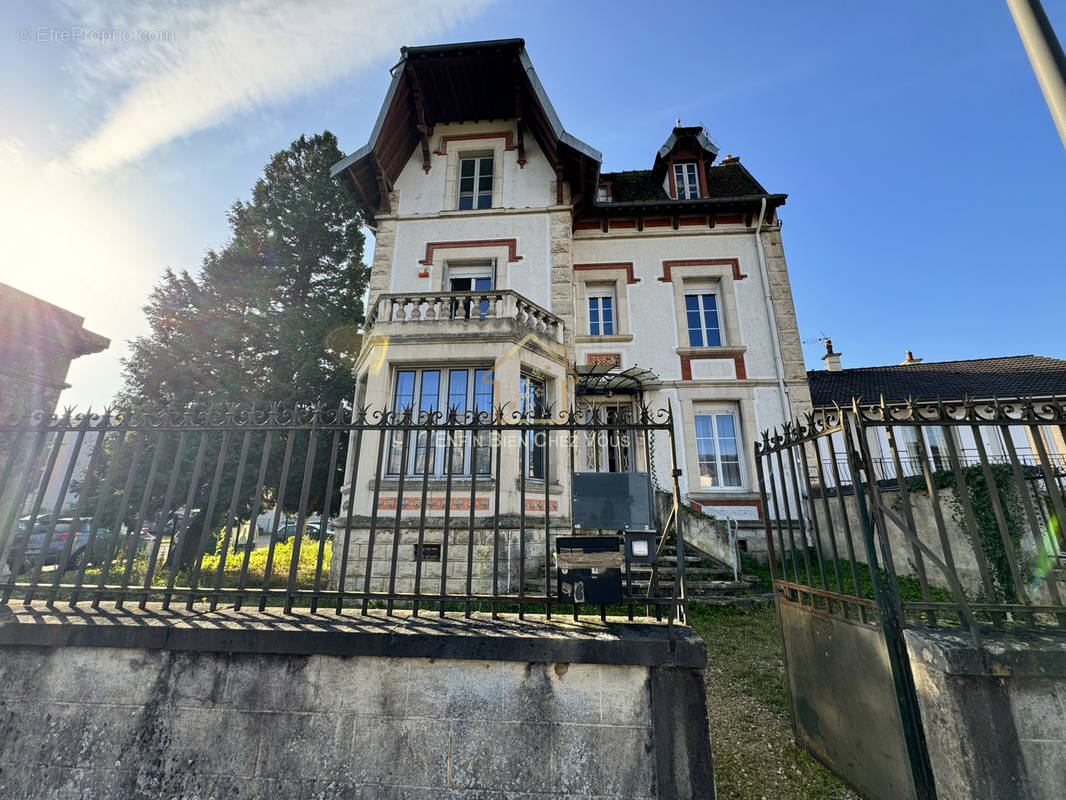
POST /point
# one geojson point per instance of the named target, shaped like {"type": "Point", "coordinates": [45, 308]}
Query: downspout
{"type": "Point", "coordinates": [771, 317]}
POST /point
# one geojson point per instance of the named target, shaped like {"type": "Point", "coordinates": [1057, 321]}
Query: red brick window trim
{"type": "Point", "coordinates": [510, 244]}
{"type": "Point", "coordinates": [738, 363]}
{"type": "Point", "coordinates": [702, 262]}
{"type": "Point", "coordinates": [626, 265]}
{"type": "Point", "coordinates": [442, 147]}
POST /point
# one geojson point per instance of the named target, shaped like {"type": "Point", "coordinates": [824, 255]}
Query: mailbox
{"type": "Point", "coordinates": [589, 569]}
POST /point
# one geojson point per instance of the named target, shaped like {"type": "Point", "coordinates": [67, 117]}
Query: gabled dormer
{"type": "Point", "coordinates": [681, 163]}
{"type": "Point", "coordinates": [438, 89]}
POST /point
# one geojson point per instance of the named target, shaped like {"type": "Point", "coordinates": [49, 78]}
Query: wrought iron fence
{"type": "Point", "coordinates": [310, 509]}
{"type": "Point", "coordinates": [933, 534]}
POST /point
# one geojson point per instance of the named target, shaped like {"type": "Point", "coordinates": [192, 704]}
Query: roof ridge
{"type": "Point", "coordinates": [935, 363]}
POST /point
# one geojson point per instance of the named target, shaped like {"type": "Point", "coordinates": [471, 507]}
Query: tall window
{"type": "Point", "coordinates": [458, 390]}
{"type": "Point", "coordinates": [687, 181]}
{"type": "Point", "coordinates": [475, 182]}
{"type": "Point", "coordinates": [601, 312]}
{"type": "Point", "coordinates": [701, 313]}
{"type": "Point", "coordinates": [717, 449]}
{"type": "Point", "coordinates": [534, 407]}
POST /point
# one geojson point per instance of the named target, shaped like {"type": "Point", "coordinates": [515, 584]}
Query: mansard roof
{"type": "Point", "coordinates": [980, 378]}
{"type": "Point", "coordinates": [460, 83]}
{"type": "Point", "coordinates": [725, 181]}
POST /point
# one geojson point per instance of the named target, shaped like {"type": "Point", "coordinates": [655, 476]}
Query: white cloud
{"type": "Point", "coordinates": [232, 57]}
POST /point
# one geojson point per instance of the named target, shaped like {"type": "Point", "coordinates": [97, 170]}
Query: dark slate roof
{"type": "Point", "coordinates": [980, 378]}
{"type": "Point", "coordinates": [633, 186]}
{"type": "Point", "coordinates": [641, 186]}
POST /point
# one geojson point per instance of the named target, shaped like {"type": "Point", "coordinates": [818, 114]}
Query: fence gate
{"type": "Point", "coordinates": [853, 699]}
{"type": "Point", "coordinates": [934, 516]}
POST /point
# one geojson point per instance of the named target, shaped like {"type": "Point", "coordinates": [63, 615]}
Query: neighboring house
{"type": "Point", "coordinates": [1008, 380]}
{"type": "Point", "coordinates": [508, 269]}
{"type": "Point", "coordinates": [38, 340]}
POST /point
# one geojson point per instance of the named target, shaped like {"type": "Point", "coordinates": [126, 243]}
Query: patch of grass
{"type": "Point", "coordinates": [755, 756]}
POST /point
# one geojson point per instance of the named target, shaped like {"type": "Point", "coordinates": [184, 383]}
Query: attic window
{"type": "Point", "coordinates": [686, 180]}
{"type": "Point", "coordinates": [603, 193]}
{"type": "Point", "coordinates": [475, 182]}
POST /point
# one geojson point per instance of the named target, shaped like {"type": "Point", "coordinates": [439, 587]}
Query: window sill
{"type": "Point", "coordinates": [535, 486]}
{"type": "Point", "coordinates": [614, 338]}
{"type": "Point", "coordinates": [726, 350]}
{"type": "Point", "coordinates": [725, 492]}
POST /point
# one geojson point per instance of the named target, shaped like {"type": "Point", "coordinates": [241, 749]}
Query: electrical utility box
{"type": "Point", "coordinates": [613, 501]}
{"type": "Point", "coordinates": [589, 569]}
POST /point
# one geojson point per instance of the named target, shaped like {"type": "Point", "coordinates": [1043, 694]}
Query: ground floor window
{"type": "Point", "coordinates": [418, 392]}
{"type": "Point", "coordinates": [718, 449]}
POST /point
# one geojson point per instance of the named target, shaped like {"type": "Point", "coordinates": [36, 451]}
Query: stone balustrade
{"type": "Point", "coordinates": [473, 307]}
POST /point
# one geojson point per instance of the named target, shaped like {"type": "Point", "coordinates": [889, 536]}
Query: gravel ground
{"type": "Point", "coordinates": [755, 757]}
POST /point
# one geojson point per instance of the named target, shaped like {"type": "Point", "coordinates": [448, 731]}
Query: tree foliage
{"type": "Point", "coordinates": [271, 318]}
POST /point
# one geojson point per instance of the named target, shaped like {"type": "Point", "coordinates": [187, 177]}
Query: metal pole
{"type": "Point", "coordinates": [1045, 55]}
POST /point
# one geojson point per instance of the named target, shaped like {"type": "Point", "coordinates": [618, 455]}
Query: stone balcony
{"type": "Point", "coordinates": [493, 314]}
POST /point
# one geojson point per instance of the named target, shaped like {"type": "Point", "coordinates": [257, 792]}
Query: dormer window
{"type": "Point", "coordinates": [603, 193]}
{"type": "Point", "coordinates": [686, 181]}
{"type": "Point", "coordinates": [475, 182]}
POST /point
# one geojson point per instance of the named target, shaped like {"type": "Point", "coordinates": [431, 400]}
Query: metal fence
{"type": "Point", "coordinates": [933, 535]}
{"type": "Point", "coordinates": [246, 507]}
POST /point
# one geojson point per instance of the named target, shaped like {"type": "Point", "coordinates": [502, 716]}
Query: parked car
{"type": "Point", "coordinates": [287, 531]}
{"type": "Point", "coordinates": [64, 530]}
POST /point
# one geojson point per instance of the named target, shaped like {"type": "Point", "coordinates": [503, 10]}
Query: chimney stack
{"type": "Point", "coordinates": [831, 359]}
{"type": "Point", "coordinates": [910, 359]}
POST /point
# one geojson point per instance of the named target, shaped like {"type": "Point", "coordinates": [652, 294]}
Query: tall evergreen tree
{"type": "Point", "coordinates": [272, 318]}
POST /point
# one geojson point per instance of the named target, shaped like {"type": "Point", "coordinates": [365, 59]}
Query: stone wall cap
{"type": "Point", "coordinates": [643, 642]}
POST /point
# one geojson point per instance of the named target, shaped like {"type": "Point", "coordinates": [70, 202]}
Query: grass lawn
{"type": "Point", "coordinates": [755, 757]}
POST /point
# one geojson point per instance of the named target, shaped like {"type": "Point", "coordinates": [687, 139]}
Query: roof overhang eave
{"type": "Point", "coordinates": [772, 201]}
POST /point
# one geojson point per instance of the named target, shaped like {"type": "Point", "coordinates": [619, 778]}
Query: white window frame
{"type": "Point", "coordinates": [536, 443]}
{"type": "Point", "coordinates": [714, 413]}
{"type": "Point", "coordinates": [477, 192]}
{"type": "Point", "coordinates": [598, 294]}
{"type": "Point", "coordinates": [699, 291]}
{"type": "Point", "coordinates": [686, 180]}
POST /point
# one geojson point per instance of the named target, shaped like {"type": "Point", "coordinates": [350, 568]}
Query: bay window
{"type": "Point", "coordinates": [467, 393]}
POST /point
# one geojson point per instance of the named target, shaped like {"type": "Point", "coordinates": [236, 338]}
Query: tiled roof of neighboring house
{"type": "Point", "coordinates": [981, 378]}
{"type": "Point", "coordinates": [640, 186]}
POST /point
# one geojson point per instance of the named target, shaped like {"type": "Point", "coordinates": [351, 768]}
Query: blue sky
{"type": "Point", "coordinates": [923, 171]}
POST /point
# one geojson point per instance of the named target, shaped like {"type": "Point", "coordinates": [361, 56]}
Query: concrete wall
{"type": "Point", "coordinates": [471, 719]}
{"type": "Point", "coordinates": [995, 720]}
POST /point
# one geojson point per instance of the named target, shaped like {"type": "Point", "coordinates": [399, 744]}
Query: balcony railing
{"type": "Point", "coordinates": [420, 308]}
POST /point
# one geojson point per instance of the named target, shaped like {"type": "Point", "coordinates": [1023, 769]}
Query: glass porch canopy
{"type": "Point", "coordinates": [603, 378]}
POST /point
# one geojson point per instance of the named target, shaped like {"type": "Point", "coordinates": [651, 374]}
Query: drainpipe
{"type": "Point", "coordinates": [771, 317]}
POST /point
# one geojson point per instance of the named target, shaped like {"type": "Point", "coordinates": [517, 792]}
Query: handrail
{"type": "Point", "coordinates": [437, 306]}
